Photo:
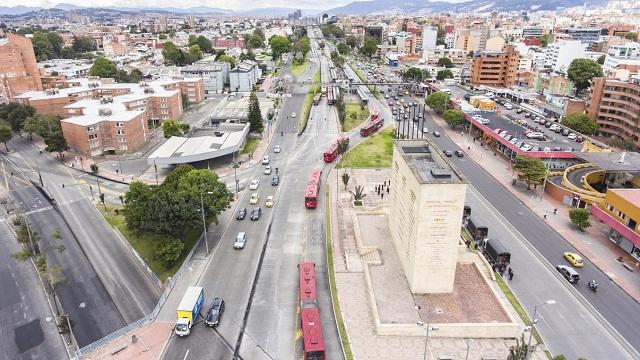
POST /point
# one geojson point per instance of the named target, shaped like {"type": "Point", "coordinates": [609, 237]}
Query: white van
{"type": "Point", "coordinates": [446, 91]}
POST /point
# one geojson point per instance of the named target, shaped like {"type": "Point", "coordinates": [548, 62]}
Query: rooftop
{"type": "Point", "coordinates": [612, 161]}
{"type": "Point", "coordinates": [427, 163]}
{"type": "Point", "coordinates": [630, 195]}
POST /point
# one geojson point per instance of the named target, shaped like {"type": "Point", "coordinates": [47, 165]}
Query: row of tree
{"type": "Point", "coordinates": [50, 45]}
{"type": "Point", "coordinates": [105, 68]}
{"type": "Point", "coordinates": [176, 56]}
{"type": "Point", "coordinates": [15, 117]}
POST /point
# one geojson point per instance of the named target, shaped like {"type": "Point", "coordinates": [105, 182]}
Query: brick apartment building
{"type": "Point", "coordinates": [18, 68]}
{"type": "Point", "coordinates": [228, 43]}
{"type": "Point", "coordinates": [100, 116]}
{"type": "Point", "coordinates": [496, 68]}
{"type": "Point", "coordinates": [615, 105]}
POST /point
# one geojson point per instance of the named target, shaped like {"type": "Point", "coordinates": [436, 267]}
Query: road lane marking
{"type": "Point", "coordinates": [186, 354]}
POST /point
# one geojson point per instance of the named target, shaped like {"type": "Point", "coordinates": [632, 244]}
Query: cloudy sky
{"type": "Point", "coordinates": [225, 4]}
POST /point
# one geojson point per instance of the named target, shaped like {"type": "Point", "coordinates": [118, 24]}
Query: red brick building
{"type": "Point", "coordinates": [19, 71]}
{"type": "Point", "coordinates": [228, 43]}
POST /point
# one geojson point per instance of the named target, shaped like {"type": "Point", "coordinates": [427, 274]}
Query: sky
{"type": "Point", "coordinates": [224, 4]}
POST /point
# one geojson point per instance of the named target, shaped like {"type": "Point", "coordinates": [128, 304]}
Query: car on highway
{"type": "Point", "coordinates": [253, 185]}
{"type": "Point", "coordinates": [276, 149]}
{"type": "Point", "coordinates": [267, 170]}
{"type": "Point", "coordinates": [448, 153]}
{"type": "Point", "coordinates": [574, 259]}
{"type": "Point", "coordinates": [242, 212]}
{"type": "Point", "coordinates": [240, 241]}
{"type": "Point", "coordinates": [275, 180]}
{"type": "Point", "coordinates": [459, 153]}
{"type": "Point", "coordinates": [254, 199]}
{"type": "Point", "coordinates": [293, 115]}
{"type": "Point", "coordinates": [568, 273]}
{"type": "Point", "coordinates": [266, 160]}
{"type": "Point", "coordinates": [425, 130]}
{"type": "Point", "coordinates": [214, 314]}
{"type": "Point", "coordinates": [269, 203]}
{"type": "Point", "coordinates": [256, 212]}
{"type": "Point", "coordinates": [436, 133]}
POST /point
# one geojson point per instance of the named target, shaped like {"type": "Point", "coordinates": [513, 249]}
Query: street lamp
{"type": "Point", "coordinates": [533, 324]}
{"type": "Point", "coordinates": [469, 343]}
{"type": "Point", "coordinates": [82, 305]}
{"type": "Point", "coordinates": [204, 221]}
{"type": "Point", "coordinates": [235, 166]}
{"type": "Point", "coordinates": [428, 327]}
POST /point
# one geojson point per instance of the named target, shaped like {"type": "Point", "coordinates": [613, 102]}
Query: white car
{"type": "Point", "coordinates": [276, 149]}
{"type": "Point", "coordinates": [526, 147]}
{"type": "Point", "coordinates": [241, 240]}
{"type": "Point", "coordinates": [265, 160]}
{"type": "Point", "coordinates": [267, 170]}
{"type": "Point", "coordinates": [535, 135]}
{"type": "Point", "coordinates": [508, 106]}
{"type": "Point", "coordinates": [546, 149]}
{"type": "Point", "coordinates": [572, 136]}
{"type": "Point", "coordinates": [483, 121]}
{"type": "Point", "coordinates": [253, 185]}
{"type": "Point", "coordinates": [477, 117]}
{"type": "Point", "coordinates": [293, 115]}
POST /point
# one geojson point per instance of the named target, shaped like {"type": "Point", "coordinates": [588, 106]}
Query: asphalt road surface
{"type": "Point", "coordinates": [28, 327]}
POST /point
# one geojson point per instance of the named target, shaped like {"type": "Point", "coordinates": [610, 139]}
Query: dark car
{"type": "Point", "coordinates": [436, 134]}
{"type": "Point", "coordinates": [448, 153]}
{"type": "Point", "coordinates": [519, 111]}
{"type": "Point", "coordinates": [459, 153]}
{"type": "Point", "coordinates": [242, 212]}
{"type": "Point", "coordinates": [256, 213]}
{"type": "Point", "coordinates": [215, 312]}
{"type": "Point", "coordinates": [275, 180]}
{"type": "Point", "coordinates": [565, 132]}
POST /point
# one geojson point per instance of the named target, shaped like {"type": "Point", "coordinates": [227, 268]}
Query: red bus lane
{"type": "Point", "coordinates": [313, 341]}
{"type": "Point", "coordinates": [313, 189]}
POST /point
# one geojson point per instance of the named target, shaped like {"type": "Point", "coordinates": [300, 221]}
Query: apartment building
{"type": "Point", "coordinates": [615, 105]}
{"type": "Point", "coordinates": [19, 71]}
{"type": "Point", "coordinates": [532, 31]}
{"type": "Point", "coordinates": [457, 56]}
{"type": "Point", "coordinates": [622, 56]}
{"type": "Point", "coordinates": [496, 68]}
{"type": "Point", "coordinates": [244, 76]}
{"type": "Point", "coordinates": [192, 88]}
{"type": "Point", "coordinates": [377, 31]}
{"type": "Point", "coordinates": [560, 54]}
{"type": "Point", "coordinates": [474, 38]}
{"type": "Point", "coordinates": [228, 43]}
{"type": "Point", "coordinates": [584, 35]}
{"type": "Point", "coordinates": [429, 37]}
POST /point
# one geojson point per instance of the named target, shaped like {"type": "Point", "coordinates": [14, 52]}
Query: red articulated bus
{"type": "Point", "coordinates": [313, 189]}
{"type": "Point", "coordinates": [334, 150]}
{"type": "Point", "coordinates": [375, 122]}
{"type": "Point", "coordinates": [316, 99]}
{"type": "Point", "coordinates": [330, 97]}
{"type": "Point", "coordinates": [313, 341]}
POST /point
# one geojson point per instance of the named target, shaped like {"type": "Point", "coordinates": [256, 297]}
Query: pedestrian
{"type": "Point", "coordinates": [501, 270]}
{"type": "Point", "coordinates": [555, 211]}
{"type": "Point", "coordinates": [382, 195]}
{"type": "Point", "coordinates": [545, 215]}
{"type": "Point", "coordinates": [387, 189]}
{"type": "Point", "coordinates": [510, 272]}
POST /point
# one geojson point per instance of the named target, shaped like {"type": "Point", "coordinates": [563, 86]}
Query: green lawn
{"type": "Point", "coordinates": [375, 152]}
{"type": "Point", "coordinates": [342, 330]}
{"type": "Point", "coordinates": [145, 244]}
{"type": "Point", "coordinates": [308, 102]}
{"type": "Point", "coordinates": [250, 146]}
{"type": "Point", "coordinates": [361, 115]}
{"type": "Point", "coordinates": [298, 69]}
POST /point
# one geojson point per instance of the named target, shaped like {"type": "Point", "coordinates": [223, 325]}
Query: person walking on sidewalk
{"type": "Point", "coordinates": [510, 272]}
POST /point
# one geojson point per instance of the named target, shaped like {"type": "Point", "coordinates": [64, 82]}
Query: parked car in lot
{"type": "Point", "coordinates": [565, 132]}
{"type": "Point", "coordinates": [508, 106]}
{"type": "Point", "coordinates": [526, 147]}
{"type": "Point", "coordinates": [572, 136]}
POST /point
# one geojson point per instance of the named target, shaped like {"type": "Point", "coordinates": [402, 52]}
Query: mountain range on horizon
{"type": "Point", "coordinates": [367, 7]}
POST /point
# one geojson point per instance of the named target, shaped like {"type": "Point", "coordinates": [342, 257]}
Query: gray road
{"type": "Point", "coordinates": [29, 330]}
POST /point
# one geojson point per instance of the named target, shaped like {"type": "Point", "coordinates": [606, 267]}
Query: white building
{"type": "Point", "coordinates": [244, 76]}
{"type": "Point", "coordinates": [559, 55]}
{"type": "Point", "coordinates": [627, 54]}
{"type": "Point", "coordinates": [429, 37]}
{"type": "Point", "coordinates": [213, 73]}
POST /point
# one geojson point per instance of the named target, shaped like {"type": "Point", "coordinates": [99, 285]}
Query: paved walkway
{"type": "Point", "coordinates": [146, 342]}
{"type": "Point", "coordinates": [592, 243]}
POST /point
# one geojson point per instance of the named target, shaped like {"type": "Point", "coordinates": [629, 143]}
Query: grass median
{"type": "Point", "coordinates": [356, 115]}
{"type": "Point", "coordinates": [145, 244]}
{"type": "Point", "coordinates": [375, 152]}
{"type": "Point", "coordinates": [298, 69]}
{"type": "Point", "coordinates": [250, 146]}
{"type": "Point", "coordinates": [308, 102]}
{"type": "Point", "coordinates": [371, 88]}
{"type": "Point", "coordinates": [342, 330]}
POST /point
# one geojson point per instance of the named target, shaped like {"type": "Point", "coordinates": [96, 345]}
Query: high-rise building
{"type": "Point", "coordinates": [496, 68]}
{"type": "Point", "coordinates": [429, 37]}
{"type": "Point", "coordinates": [615, 105]}
{"type": "Point", "coordinates": [18, 68]}
{"type": "Point", "coordinates": [560, 54]}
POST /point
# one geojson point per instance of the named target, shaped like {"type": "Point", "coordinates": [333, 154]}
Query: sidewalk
{"type": "Point", "coordinates": [592, 243]}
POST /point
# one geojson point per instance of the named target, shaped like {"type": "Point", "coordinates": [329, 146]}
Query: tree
{"type": "Point", "coordinates": [48, 127]}
{"type": "Point", "coordinates": [5, 134]}
{"type": "Point", "coordinates": [453, 118]}
{"type": "Point", "coordinates": [601, 59]}
{"type": "Point", "coordinates": [369, 46]}
{"type": "Point", "coordinates": [255, 116]}
{"type": "Point", "coordinates": [171, 128]}
{"type": "Point", "coordinates": [172, 53]}
{"type": "Point", "coordinates": [41, 46]}
{"type": "Point", "coordinates": [203, 43]}
{"type": "Point", "coordinates": [438, 101]}
{"type": "Point", "coordinates": [351, 41]}
{"type": "Point", "coordinates": [445, 62]}
{"type": "Point", "coordinates": [168, 251]}
{"type": "Point", "coordinates": [545, 40]}
{"type": "Point", "coordinates": [343, 49]}
{"type": "Point", "coordinates": [83, 44]}
{"type": "Point", "coordinates": [520, 350]}
{"type": "Point", "coordinates": [530, 170]}
{"type": "Point", "coordinates": [624, 144]}
{"type": "Point", "coordinates": [135, 76]}
{"type": "Point", "coordinates": [249, 55]}
{"type": "Point", "coordinates": [358, 194]}
{"type": "Point", "coordinates": [580, 218]}
{"type": "Point", "coordinates": [15, 114]}
{"type": "Point", "coordinates": [104, 68]}
{"type": "Point", "coordinates": [345, 179]}
{"type": "Point", "coordinates": [633, 36]}
{"type": "Point", "coordinates": [416, 74]}
{"type": "Point", "coordinates": [227, 58]}
{"type": "Point", "coordinates": [279, 45]}
{"type": "Point", "coordinates": [581, 71]}
{"type": "Point", "coordinates": [580, 122]}
{"type": "Point", "coordinates": [56, 41]}
{"type": "Point", "coordinates": [444, 74]}
{"type": "Point", "coordinates": [194, 54]}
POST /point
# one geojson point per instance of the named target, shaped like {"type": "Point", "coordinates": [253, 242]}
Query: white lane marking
{"type": "Point", "coordinates": [185, 355]}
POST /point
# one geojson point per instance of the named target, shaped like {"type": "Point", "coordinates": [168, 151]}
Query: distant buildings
{"type": "Point", "coordinates": [429, 38]}
{"type": "Point", "coordinates": [228, 43]}
{"type": "Point", "coordinates": [244, 76]}
{"type": "Point", "coordinates": [615, 105]}
{"type": "Point", "coordinates": [19, 71]}
{"type": "Point", "coordinates": [560, 54]}
{"type": "Point", "coordinates": [213, 73]}
{"type": "Point", "coordinates": [584, 35]}
{"type": "Point", "coordinates": [496, 68]}
{"type": "Point", "coordinates": [625, 56]}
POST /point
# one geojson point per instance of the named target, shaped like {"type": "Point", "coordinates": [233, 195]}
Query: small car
{"type": "Point", "coordinates": [459, 153]}
{"type": "Point", "coordinates": [256, 212]}
{"type": "Point", "coordinates": [253, 185]}
{"type": "Point", "coordinates": [572, 136]}
{"type": "Point", "coordinates": [241, 240]}
{"type": "Point", "coordinates": [568, 273]}
{"type": "Point", "coordinates": [267, 170]}
{"type": "Point", "coordinates": [574, 259]}
{"type": "Point", "coordinates": [293, 115]}
{"type": "Point", "coordinates": [215, 312]}
{"type": "Point", "coordinates": [276, 149]}
{"type": "Point", "coordinates": [275, 180]}
{"type": "Point", "coordinates": [436, 134]}
{"type": "Point", "coordinates": [269, 203]}
{"type": "Point", "coordinates": [254, 199]}
{"type": "Point", "coordinates": [266, 160]}
{"type": "Point", "coordinates": [242, 212]}
{"type": "Point", "coordinates": [448, 153]}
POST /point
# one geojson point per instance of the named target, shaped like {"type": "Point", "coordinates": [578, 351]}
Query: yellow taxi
{"type": "Point", "coordinates": [574, 259]}
{"type": "Point", "coordinates": [254, 199]}
{"type": "Point", "coordinates": [269, 203]}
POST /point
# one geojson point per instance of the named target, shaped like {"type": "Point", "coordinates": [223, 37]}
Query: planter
{"type": "Point", "coordinates": [357, 203]}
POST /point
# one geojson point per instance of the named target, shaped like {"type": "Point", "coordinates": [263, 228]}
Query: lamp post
{"type": "Point", "coordinates": [204, 221]}
{"type": "Point", "coordinates": [235, 166]}
{"type": "Point", "coordinates": [533, 324]}
{"type": "Point", "coordinates": [428, 327]}
{"type": "Point", "coordinates": [469, 343]}
{"type": "Point", "coordinates": [82, 305]}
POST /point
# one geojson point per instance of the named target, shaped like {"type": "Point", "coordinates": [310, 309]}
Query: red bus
{"type": "Point", "coordinates": [334, 150]}
{"type": "Point", "coordinates": [313, 340]}
{"type": "Point", "coordinates": [330, 98]}
{"type": "Point", "coordinates": [371, 127]}
{"type": "Point", "coordinates": [313, 189]}
{"type": "Point", "coordinates": [316, 99]}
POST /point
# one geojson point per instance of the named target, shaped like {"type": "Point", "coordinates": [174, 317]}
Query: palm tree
{"type": "Point", "coordinates": [358, 194]}
{"type": "Point", "coordinates": [345, 179]}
